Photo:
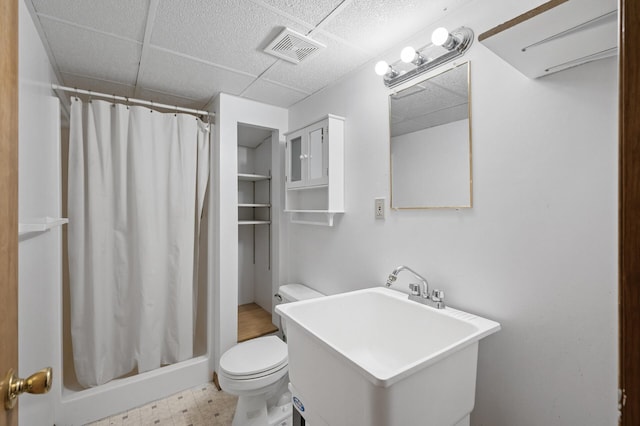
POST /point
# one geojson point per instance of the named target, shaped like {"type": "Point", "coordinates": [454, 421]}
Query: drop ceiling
{"type": "Point", "coordinates": [185, 52]}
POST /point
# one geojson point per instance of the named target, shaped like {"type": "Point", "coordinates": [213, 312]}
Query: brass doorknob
{"type": "Point", "coordinates": [39, 382]}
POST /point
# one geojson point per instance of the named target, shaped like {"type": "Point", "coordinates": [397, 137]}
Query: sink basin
{"type": "Point", "coordinates": [374, 357]}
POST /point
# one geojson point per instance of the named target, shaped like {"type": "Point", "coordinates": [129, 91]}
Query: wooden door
{"type": "Point", "coordinates": [8, 198]}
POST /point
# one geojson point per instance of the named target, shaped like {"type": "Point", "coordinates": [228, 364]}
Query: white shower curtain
{"type": "Point", "coordinates": [137, 181]}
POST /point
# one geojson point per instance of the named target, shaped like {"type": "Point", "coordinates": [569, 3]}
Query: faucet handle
{"type": "Point", "coordinates": [437, 295]}
{"type": "Point", "coordinates": [414, 289]}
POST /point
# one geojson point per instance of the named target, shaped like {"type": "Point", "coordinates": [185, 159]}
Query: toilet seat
{"type": "Point", "coordinates": [254, 359]}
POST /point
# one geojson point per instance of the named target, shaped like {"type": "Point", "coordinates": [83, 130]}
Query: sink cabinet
{"type": "Point", "coordinates": [314, 174]}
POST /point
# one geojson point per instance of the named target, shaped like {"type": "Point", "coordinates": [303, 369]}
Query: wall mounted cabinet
{"type": "Point", "coordinates": [314, 177]}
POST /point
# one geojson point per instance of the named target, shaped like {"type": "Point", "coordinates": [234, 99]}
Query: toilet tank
{"type": "Point", "coordinates": [293, 293]}
{"type": "Point", "coordinates": [296, 292]}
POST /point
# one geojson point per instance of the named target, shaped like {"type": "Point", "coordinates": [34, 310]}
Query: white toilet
{"type": "Point", "coordinates": [256, 371]}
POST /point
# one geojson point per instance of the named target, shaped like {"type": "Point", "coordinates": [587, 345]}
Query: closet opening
{"type": "Point", "coordinates": [254, 232]}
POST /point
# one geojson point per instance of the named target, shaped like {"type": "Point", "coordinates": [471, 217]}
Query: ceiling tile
{"type": "Point", "coordinates": [83, 52]}
{"type": "Point", "coordinates": [169, 73]}
{"type": "Point", "coordinates": [169, 99]}
{"type": "Point", "coordinates": [274, 94]}
{"type": "Point", "coordinates": [330, 64]}
{"type": "Point", "coordinates": [124, 18]}
{"type": "Point", "coordinates": [102, 86]}
{"type": "Point", "coordinates": [310, 12]}
{"type": "Point", "coordinates": [231, 33]}
{"type": "Point", "coordinates": [377, 25]}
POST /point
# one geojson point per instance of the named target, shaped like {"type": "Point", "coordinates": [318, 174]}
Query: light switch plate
{"type": "Point", "coordinates": [379, 208]}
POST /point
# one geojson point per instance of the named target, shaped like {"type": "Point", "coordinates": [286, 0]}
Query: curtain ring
{"type": "Point", "coordinates": [151, 109]}
{"type": "Point", "coordinates": [127, 101]}
{"type": "Point", "coordinates": [175, 114]}
{"type": "Point", "coordinates": [114, 100]}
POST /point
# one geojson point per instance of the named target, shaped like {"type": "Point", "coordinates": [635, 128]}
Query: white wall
{"type": "Point", "coordinates": [537, 252]}
{"type": "Point", "coordinates": [39, 299]}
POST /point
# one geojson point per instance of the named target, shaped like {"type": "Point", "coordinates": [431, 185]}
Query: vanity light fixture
{"type": "Point", "coordinates": [410, 56]}
{"type": "Point", "coordinates": [442, 37]}
{"type": "Point", "coordinates": [385, 70]}
{"type": "Point", "coordinates": [456, 43]}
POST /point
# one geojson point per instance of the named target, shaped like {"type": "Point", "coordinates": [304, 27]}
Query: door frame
{"type": "Point", "coordinates": [629, 211]}
{"type": "Point", "coordinates": [8, 197]}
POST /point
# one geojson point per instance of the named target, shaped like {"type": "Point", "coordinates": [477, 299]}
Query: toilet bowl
{"type": "Point", "coordinates": [257, 372]}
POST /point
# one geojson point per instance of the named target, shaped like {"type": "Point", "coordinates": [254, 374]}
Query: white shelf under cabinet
{"type": "Point", "coordinates": [42, 224]}
{"type": "Point", "coordinates": [313, 217]}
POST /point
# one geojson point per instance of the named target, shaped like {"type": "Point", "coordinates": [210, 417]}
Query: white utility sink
{"type": "Point", "coordinates": [374, 357]}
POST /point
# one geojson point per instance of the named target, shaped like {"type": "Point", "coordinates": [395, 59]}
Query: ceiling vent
{"type": "Point", "coordinates": [293, 47]}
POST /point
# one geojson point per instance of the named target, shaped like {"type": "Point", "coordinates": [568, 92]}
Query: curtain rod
{"type": "Point", "coordinates": [132, 100]}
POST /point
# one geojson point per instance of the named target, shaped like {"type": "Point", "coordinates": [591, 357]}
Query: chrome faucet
{"type": "Point", "coordinates": [393, 276]}
{"type": "Point", "coordinates": [419, 292]}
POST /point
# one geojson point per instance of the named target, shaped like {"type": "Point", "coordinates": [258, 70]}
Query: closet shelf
{"type": "Point", "coordinates": [252, 177]}
{"type": "Point", "coordinates": [40, 224]}
{"type": "Point", "coordinates": [254, 205]}
{"type": "Point", "coordinates": [254, 222]}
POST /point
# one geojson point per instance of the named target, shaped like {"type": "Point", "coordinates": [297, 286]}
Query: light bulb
{"type": "Point", "coordinates": [408, 54]}
{"type": "Point", "coordinates": [440, 36]}
{"type": "Point", "coordinates": [382, 68]}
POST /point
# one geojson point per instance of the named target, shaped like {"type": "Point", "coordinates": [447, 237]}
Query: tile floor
{"type": "Point", "coordinates": [202, 405]}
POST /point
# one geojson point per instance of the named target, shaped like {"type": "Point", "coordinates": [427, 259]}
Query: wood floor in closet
{"type": "Point", "coordinates": [253, 321]}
